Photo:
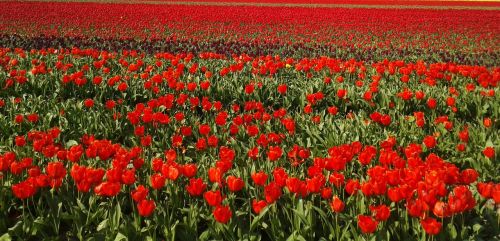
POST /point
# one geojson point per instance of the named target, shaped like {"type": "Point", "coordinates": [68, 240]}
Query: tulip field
{"type": "Point", "coordinates": [153, 121]}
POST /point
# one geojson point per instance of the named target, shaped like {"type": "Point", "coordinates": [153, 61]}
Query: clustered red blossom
{"type": "Point", "coordinates": [427, 186]}
{"type": "Point", "coordinates": [412, 175]}
{"type": "Point", "coordinates": [437, 30]}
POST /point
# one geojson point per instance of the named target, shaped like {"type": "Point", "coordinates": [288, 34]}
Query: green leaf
{"type": "Point", "coordinates": [476, 227]}
{"type": "Point", "coordinates": [205, 235]}
{"type": "Point", "coordinates": [258, 218]}
{"type": "Point", "coordinates": [71, 143]}
{"type": "Point", "coordinates": [5, 237]}
{"type": "Point", "coordinates": [102, 225]}
{"type": "Point", "coordinates": [120, 237]}
{"type": "Point", "coordinates": [116, 216]}
{"type": "Point", "coordinates": [452, 230]}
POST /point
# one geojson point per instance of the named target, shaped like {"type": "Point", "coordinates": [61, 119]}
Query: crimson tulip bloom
{"type": "Point", "coordinates": [146, 207]}
{"type": "Point", "coordinates": [337, 205]}
{"type": "Point", "coordinates": [213, 198]}
{"type": "Point", "coordinates": [431, 226]}
{"type": "Point", "coordinates": [367, 224]}
{"type": "Point", "coordinates": [222, 214]}
{"type": "Point", "coordinates": [235, 184]}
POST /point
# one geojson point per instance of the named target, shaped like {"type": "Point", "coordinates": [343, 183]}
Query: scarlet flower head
{"type": "Point", "coordinates": [222, 214]}
{"type": "Point", "coordinates": [146, 207]}
{"type": "Point", "coordinates": [489, 152]}
{"type": "Point", "coordinates": [431, 226]}
{"type": "Point", "coordinates": [258, 205]}
{"type": "Point", "coordinates": [213, 198]}
{"type": "Point", "coordinates": [196, 187]}
{"type": "Point", "coordinates": [140, 193]}
{"type": "Point", "coordinates": [337, 205]}
{"type": "Point", "coordinates": [381, 212]}
{"type": "Point", "coordinates": [259, 178]}
{"type": "Point", "coordinates": [367, 224]}
{"type": "Point", "coordinates": [235, 184]}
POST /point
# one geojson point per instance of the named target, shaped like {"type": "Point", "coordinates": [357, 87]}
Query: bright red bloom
{"type": "Point", "coordinates": [441, 209]}
{"type": "Point", "coordinates": [74, 153]}
{"type": "Point", "coordinates": [204, 129]}
{"type": "Point", "coordinates": [367, 224]}
{"type": "Point", "coordinates": [140, 193]}
{"type": "Point", "coordinates": [336, 179]}
{"type": "Point", "coordinates": [25, 189]}
{"type": "Point", "coordinates": [468, 176]}
{"type": "Point", "coordinates": [222, 214]}
{"type": "Point", "coordinates": [282, 89]}
{"type": "Point", "coordinates": [272, 192]}
{"type": "Point", "coordinates": [367, 155]}
{"type": "Point", "coordinates": [259, 178]}
{"type": "Point", "coordinates": [128, 177]}
{"type": "Point", "coordinates": [385, 120]}
{"type": "Point", "coordinates": [122, 87]}
{"type": "Point", "coordinates": [381, 212]}
{"type": "Point", "coordinates": [485, 189]}
{"type": "Point", "coordinates": [189, 170]}
{"type": "Point", "coordinates": [170, 172]}
{"type": "Point", "coordinates": [352, 187]}
{"type": "Point", "coordinates": [431, 103]}
{"type": "Point", "coordinates": [213, 198]}
{"type": "Point", "coordinates": [332, 110]}
{"type": "Point", "coordinates": [33, 118]}
{"type": "Point", "coordinates": [337, 205]}
{"type": "Point", "coordinates": [431, 226]}
{"type": "Point", "coordinates": [157, 181]}
{"type": "Point", "coordinates": [146, 207]}
{"type": "Point", "coordinates": [20, 141]}
{"type": "Point", "coordinates": [416, 207]}
{"type": "Point", "coordinates": [215, 175]}
{"type": "Point", "coordinates": [495, 193]}
{"type": "Point", "coordinates": [258, 205]}
{"type": "Point", "coordinates": [108, 189]}
{"type": "Point", "coordinates": [196, 187]}
{"type": "Point", "coordinates": [341, 93]}
{"type": "Point", "coordinates": [430, 142]}
{"type": "Point", "coordinates": [56, 170]}
{"type": "Point", "coordinates": [274, 153]}
{"type": "Point", "coordinates": [89, 103]}
{"type": "Point", "coordinates": [235, 184]}
{"type": "Point", "coordinates": [19, 119]}
{"type": "Point", "coordinates": [489, 152]}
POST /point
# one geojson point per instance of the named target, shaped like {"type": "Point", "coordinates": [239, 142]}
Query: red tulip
{"type": "Point", "coordinates": [56, 170]}
{"type": "Point", "coordinates": [222, 214]}
{"type": "Point", "coordinates": [272, 192]}
{"type": "Point", "coordinates": [146, 207]}
{"type": "Point", "coordinates": [489, 152]}
{"type": "Point", "coordinates": [234, 184]}
{"type": "Point", "coordinates": [337, 205]}
{"type": "Point", "coordinates": [381, 212]}
{"type": "Point", "coordinates": [430, 142]}
{"type": "Point", "coordinates": [259, 178]}
{"type": "Point", "coordinates": [24, 189]}
{"type": "Point", "coordinates": [367, 224]}
{"type": "Point", "coordinates": [157, 181]}
{"type": "Point", "coordinates": [213, 198]}
{"type": "Point", "coordinates": [258, 205]}
{"type": "Point", "coordinates": [196, 187]}
{"type": "Point", "coordinates": [140, 193]}
{"type": "Point", "coordinates": [282, 89]}
{"type": "Point", "coordinates": [431, 226]}
{"type": "Point", "coordinates": [485, 189]}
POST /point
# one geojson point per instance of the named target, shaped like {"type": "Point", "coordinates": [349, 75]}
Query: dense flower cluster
{"type": "Point", "coordinates": [197, 142]}
{"type": "Point", "coordinates": [460, 36]}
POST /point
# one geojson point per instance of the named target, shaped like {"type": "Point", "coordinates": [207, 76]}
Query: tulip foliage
{"type": "Point", "coordinates": [218, 144]}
